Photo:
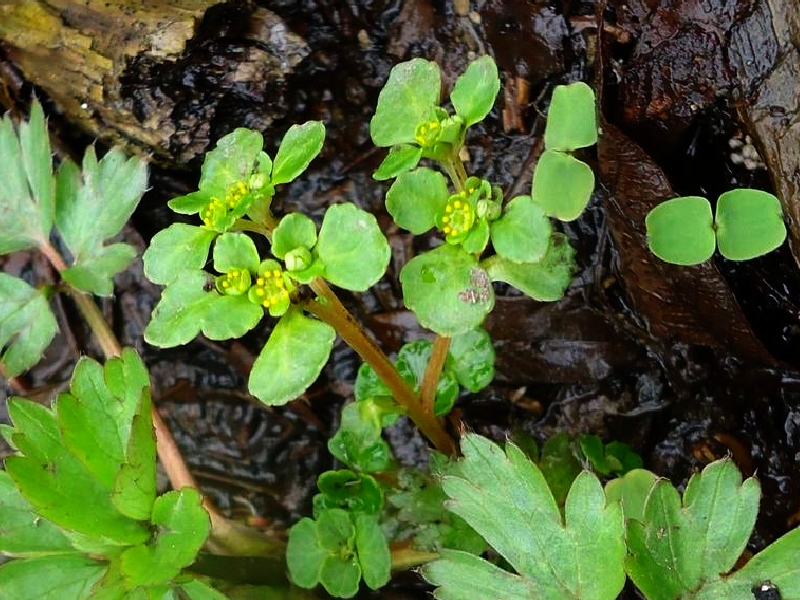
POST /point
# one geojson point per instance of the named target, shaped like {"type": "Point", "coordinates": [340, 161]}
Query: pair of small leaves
{"type": "Point", "coordinates": [562, 184]}
{"type": "Point", "coordinates": [505, 498]}
{"type": "Point", "coordinates": [337, 550]}
{"type": "Point", "coordinates": [681, 547]}
{"type": "Point", "coordinates": [83, 481]}
{"type": "Point", "coordinates": [353, 492]}
{"type": "Point", "coordinates": [748, 223]}
{"type": "Point", "coordinates": [358, 442]}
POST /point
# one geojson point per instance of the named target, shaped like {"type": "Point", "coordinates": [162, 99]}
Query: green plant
{"type": "Point", "coordinates": [748, 223]}
{"type": "Point", "coordinates": [670, 547]}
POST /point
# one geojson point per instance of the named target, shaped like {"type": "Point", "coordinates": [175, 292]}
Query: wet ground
{"type": "Point", "coordinates": [685, 364]}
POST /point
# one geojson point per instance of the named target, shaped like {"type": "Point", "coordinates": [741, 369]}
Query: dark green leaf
{"type": "Point", "coordinates": [400, 159]}
{"type": "Point", "coordinates": [522, 234]}
{"type": "Point", "coordinates": [199, 590]}
{"type": "Point", "coordinates": [294, 231]}
{"type": "Point", "coordinates": [177, 249]}
{"type": "Point", "coordinates": [368, 384]}
{"type": "Point", "coordinates": [27, 326]}
{"type": "Point", "coordinates": [681, 230]}
{"type": "Point", "coordinates": [472, 359]}
{"type": "Point", "coordinates": [749, 223]}
{"type": "Point", "coordinates": [415, 198]}
{"type": "Point", "coordinates": [632, 489]}
{"type": "Point", "coordinates": [291, 359]}
{"type": "Point", "coordinates": [559, 465]}
{"type": "Point", "coordinates": [546, 280]}
{"type": "Point", "coordinates": [352, 248]}
{"type": "Point", "coordinates": [299, 147]}
{"type": "Point", "coordinates": [26, 187]}
{"type": "Point", "coordinates": [235, 251]}
{"type": "Point", "coordinates": [447, 290]}
{"type": "Point", "coordinates": [350, 491]}
{"type": "Point", "coordinates": [412, 361]}
{"type": "Point", "coordinates": [475, 91]}
{"type": "Point", "coordinates": [562, 185]}
{"type": "Point", "coordinates": [186, 309]}
{"type": "Point", "coordinates": [65, 577]}
{"type": "Point", "coordinates": [572, 118]}
{"type": "Point", "coordinates": [358, 441]}
{"type": "Point", "coordinates": [407, 99]}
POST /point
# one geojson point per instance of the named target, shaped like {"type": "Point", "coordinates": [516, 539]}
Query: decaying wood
{"type": "Point", "coordinates": [141, 73]}
{"type": "Point", "coordinates": [764, 52]}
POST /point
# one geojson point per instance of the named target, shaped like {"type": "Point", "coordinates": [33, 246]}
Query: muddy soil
{"type": "Point", "coordinates": [685, 364]}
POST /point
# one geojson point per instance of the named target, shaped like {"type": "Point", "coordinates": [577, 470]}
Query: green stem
{"type": "Point", "coordinates": [335, 314]}
{"type": "Point", "coordinates": [430, 381]}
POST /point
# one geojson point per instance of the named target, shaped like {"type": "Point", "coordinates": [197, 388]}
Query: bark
{"type": "Point", "coordinates": [163, 78]}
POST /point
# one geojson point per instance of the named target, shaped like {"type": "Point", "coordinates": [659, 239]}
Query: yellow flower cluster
{"type": "Point", "coordinates": [217, 212]}
{"type": "Point", "coordinates": [270, 289]}
{"type": "Point", "coordinates": [427, 134]}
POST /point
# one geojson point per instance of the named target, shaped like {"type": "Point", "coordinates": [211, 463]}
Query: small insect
{"type": "Point", "coordinates": [766, 590]}
{"type": "Point", "coordinates": [478, 291]}
{"type": "Point", "coordinates": [208, 286]}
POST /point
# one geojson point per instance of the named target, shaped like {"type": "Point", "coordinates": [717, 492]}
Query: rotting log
{"type": "Point", "coordinates": [162, 78]}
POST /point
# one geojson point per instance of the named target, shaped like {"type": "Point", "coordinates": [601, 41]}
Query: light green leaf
{"type": "Point", "coordinates": [463, 576]}
{"type": "Point", "coordinates": [49, 578]}
{"type": "Point", "coordinates": [412, 362]}
{"type": "Point", "coordinates": [475, 91]}
{"type": "Point", "coordinates": [749, 223]}
{"type": "Point", "coordinates": [95, 273]}
{"type": "Point", "coordinates": [546, 280]}
{"type": "Point", "coordinates": [472, 359]}
{"type": "Point", "coordinates": [231, 161]}
{"type": "Point", "coordinates": [58, 484]}
{"type": "Point", "coordinates": [399, 160]}
{"type": "Point", "coordinates": [572, 118]}
{"type": "Point", "coordinates": [27, 326]}
{"type": "Point", "coordinates": [183, 526]}
{"type": "Point", "coordinates": [299, 147]}
{"type": "Point", "coordinates": [505, 498]}
{"type": "Point", "coordinates": [26, 187]}
{"type": "Point", "coordinates": [373, 552]}
{"type": "Point", "coordinates": [186, 309]}
{"type": "Point", "coordinates": [352, 247]}
{"type": "Point", "coordinates": [294, 231]}
{"type": "Point", "coordinates": [304, 555]}
{"type": "Point", "coordinates": [235, 251]}
{"type": "Point", "coordinates": [292, 358]}
{"type": "Point", "coordinates": [199, 590]}
{"type": "Point", "coordinates": [407, 99]}
{"type": "Point", "coordinates": [681, 230]}
{"type": "Point", "coordinates": [24, 532]}
{"type": "Point", "coordinates": [632, 490]}
{"type": "Point", "coordinates": [340, 575]}
{"type": "Point", "coordinates": [447, 290]}
{"type": "Point", "coordinates": [562, 185]}
{"type": "Point", "coordinates": [415, 198]}
{"type": "Point", "coordinates": [522, 233]}
{"type": "Point", "coordinates": [95, 205]}
{"type": "Point", "coordinates": [177, 249]}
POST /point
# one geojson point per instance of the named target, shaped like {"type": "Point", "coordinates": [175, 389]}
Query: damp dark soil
{"type": "Point", "coordinates": [685, 364]}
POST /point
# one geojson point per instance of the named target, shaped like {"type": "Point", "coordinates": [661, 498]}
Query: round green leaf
{"type": "Point", "coordinates": [235, 251]}
{"type": "Point", "coordinates": [749, 223]}
{"type": "Point", "coordinates": [231, 161]}
{"type": "Point", "coordinates": [176, 249]}
{"type": "Point", "coordinates": [350, 491]}
{"type": "Point", "coordinates": [299, 147]}
{"type": "Point", "coordinates": [407, 99]}
{"type": "Point", "coordinates": [472, 359]}
{"type": "Point", "coordinates": [447, 290]}
{"type": "Point", "coordinates": [562, 185]}
{"type": "Point", "coordinates": [475, 91]}
{"type": "Point", "coordinates": [304, 555]}
{"type": "Point", "coordinates": [572, 118]}
{"type": "Point", "coordinates": [522, 234]}
{"type": "Point", "coordinates": [681, 231]}
{"type": "Point", "coordinates": [368, 384]}
{"type": "Point", "coordinates": [294, 231]}
{"type": "Point", "coordinates": [546, 280]}
{"type": "Point", "coordinates": [352, 248]}
{"type": "Point", "coordinates": [399, 160]}
{"type": "Point", "coordinates": [340, 575]}
{"type": "Point", "coordinates": [415, 198]}
{"type": "Point", "coordinates": [373, 551]}
{"type": "Point", "coordinates": [292, 358]}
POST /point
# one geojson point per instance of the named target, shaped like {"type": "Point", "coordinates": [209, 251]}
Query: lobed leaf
{"type": "Point", "coordinates": [26, 188]}
{"type": "Point", "coordinates": [27, 325]}
{"type": "Point", "coordinates": [475, 91]}
{"type": "Point", "coordinates": [95, 274]}
{"type": "Point", "coordinates": [58, 577]}
{"type": "Point", "coordinates": [472, 359]}
{"type": "Point", "coordinates": [299, 147]}
{"type": "Point", "coordinates": [407, 99]}
{"type": "Point", "coordinates": [235, 250]}
{"type": "Point", "coordinates": [352, 248]}
{"type": "Point", "coordinates": [415, 198]}
{"type": "Point", "coordinates": [304, 554]}
{"type": "Point", "coordinates": [177, 249]}
{"type": "Point", "coordinates": [292, 358]}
